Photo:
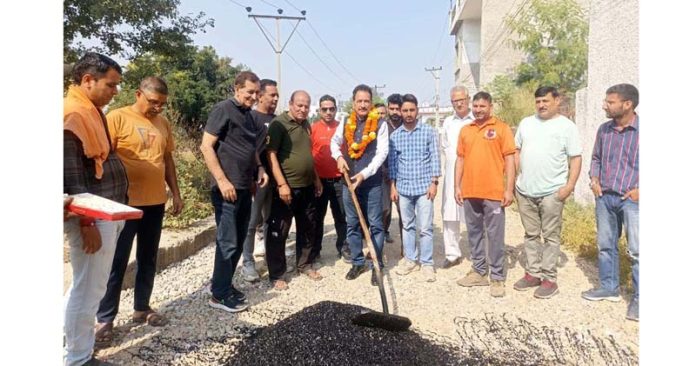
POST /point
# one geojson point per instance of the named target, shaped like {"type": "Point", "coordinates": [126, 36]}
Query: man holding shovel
{"type": "Point", "coordinates": [360, 146]}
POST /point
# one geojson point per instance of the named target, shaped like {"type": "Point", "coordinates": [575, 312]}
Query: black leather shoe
{"type": "Point", "coordinates": [373, 281]}
{"type": "Point", "coordinates": [355, 271]}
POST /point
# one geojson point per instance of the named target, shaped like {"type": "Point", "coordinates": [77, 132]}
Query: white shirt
{"type": "Point", "coordinates": [451, 127]}
{"type": "Point", "coordinates": [380, 155]}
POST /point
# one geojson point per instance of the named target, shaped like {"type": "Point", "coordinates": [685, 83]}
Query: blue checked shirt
{"type": "Point", "coordinates": [414, 159]}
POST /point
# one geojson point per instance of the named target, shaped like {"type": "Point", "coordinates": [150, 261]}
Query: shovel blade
{"type": "Point", "coordinates": [390, 322]}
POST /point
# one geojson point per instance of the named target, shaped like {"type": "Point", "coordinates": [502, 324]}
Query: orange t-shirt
{"type": "Point", "coordinates": [484, 149]}
{"type": "Point", "coordinates": [141, 144]}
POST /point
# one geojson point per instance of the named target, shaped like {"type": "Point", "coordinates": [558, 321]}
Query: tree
{"type": "Point", "coordinates": [127, 27]}
{"type": "Point", "coordinates": [553, 33]}
{"type": "Point", "coordinates": [197, 79]}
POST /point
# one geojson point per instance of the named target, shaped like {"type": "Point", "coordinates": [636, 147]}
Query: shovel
{"type": "Point", "coordinates": [375, 319]}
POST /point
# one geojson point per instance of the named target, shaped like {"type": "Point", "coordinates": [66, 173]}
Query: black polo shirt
{"type": "Point", "coordinates": [236, 146]}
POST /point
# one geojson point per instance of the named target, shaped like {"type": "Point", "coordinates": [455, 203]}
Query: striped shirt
{"type": "Point", "coordinates": [414, 159]}
{"type": "Point", "coordinates": [615, 157]}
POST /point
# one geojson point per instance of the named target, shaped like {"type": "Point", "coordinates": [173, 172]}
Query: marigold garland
{"type": "Point", "coordinates": [357, 149]}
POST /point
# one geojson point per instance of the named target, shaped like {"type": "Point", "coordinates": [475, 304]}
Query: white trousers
{"type": "Point", "coordinates": [90, 275]}
{"type": "Point", "coordinates": [451, 239]}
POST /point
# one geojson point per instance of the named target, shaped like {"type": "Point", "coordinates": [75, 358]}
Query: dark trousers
{"type": "Point", "coordinates": [302, 208]}
{"type": "Point", "coordinates": [332, 195]}
{"type": "Point", "coordinates": [232, 220]}
{"type": "Point", "coordinates": [148, 228]}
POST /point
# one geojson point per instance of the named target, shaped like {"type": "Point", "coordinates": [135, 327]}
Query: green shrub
{"type": "Point", "coordinates": [511, 102]}
{"type": "Point", "coordinates": [579, 235]}
{"type": "Point", "coordinates": [194, 183]}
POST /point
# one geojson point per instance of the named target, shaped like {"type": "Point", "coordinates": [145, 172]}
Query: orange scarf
{"type": "Point", "coordinates": [82, 118]}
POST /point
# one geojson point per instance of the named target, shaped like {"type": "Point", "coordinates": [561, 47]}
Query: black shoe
{"type": "Point", "coordinates": [355, 271]}
{"type": "Point", "coordinates": [448, 263]}
{"type": "Point", "coordinates": [373, 281]}
{"type": "Point", "coordinates": [240, 296]}
{"type": "Point", "coordinates": [345, 254]}
{"type": "Point", "coordinates": [388, 238]}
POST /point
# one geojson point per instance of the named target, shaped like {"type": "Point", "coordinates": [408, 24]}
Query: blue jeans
{"type": "Point", "coordinates": [232, 220]}
{"type": "Point", "coordinates": [417, 212]}
{"type": "Point", "coordinates": [612, 213]}
{"type": "Point", "coordinates": [370, 200]}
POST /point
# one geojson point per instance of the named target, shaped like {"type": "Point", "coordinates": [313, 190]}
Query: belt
{"type": "Point", "coordinates": [331, 180]}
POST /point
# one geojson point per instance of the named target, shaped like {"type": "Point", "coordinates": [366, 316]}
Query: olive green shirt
{"type": "Point", "coordinates": [293, 146]}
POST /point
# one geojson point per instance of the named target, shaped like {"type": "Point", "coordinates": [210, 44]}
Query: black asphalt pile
{"type": "Point", "coordinates": [323, 334]}
{"type": "Point", "coordinates": [509, 340]}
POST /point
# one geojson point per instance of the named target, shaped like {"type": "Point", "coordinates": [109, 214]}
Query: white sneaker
{"type": "Point", "coordinates": [407, 267]}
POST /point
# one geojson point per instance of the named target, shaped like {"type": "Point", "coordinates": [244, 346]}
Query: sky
{"type": "Point", "coordinates": [377, 42]}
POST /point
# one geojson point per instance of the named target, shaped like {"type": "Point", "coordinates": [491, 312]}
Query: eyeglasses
{"type": "Point", "coordinates": [330, 109]}
{"type": "Point", "coordinates": [154, 102]}
{"type": "Point", "coordinates": [456, 101]}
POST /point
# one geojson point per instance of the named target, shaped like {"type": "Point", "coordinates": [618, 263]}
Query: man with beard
{"type": "Point", "coordinates": [614, 182]}
{"type": "Point", "coordinates": [261, 205]}
{"type": "Point", "coordinates": [453, 214]}
{"type": "Point", "coordinates": [289, 149]}
{"type": "Point", "coordinates": [360, 146]}
{"type": "Point", "coordinates": [393, 122]}
{"type": "Point", "coordinates": [414, 169]}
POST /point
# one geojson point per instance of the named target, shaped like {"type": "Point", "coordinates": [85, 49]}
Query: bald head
{"type": "Point", "coordinates": [299, 105]}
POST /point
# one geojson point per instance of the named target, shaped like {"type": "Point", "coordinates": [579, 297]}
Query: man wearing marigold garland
{"type": "Point", "coordinates": [359, 148]}
{"type": "Point", "coordinates": [414, 169]}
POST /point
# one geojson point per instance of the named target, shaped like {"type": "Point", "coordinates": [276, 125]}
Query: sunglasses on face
{"type": "Point", "coordinates": [330, 109]}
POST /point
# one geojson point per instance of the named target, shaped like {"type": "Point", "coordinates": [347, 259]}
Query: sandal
{"type": "Point", "coordinates": [150, 317]}
{"type": "Point", "coordinates": [104, 334]}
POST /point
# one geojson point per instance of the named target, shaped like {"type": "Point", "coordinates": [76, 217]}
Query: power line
{"type": "Point", "coordinates": [309, 73]}
{"type": "Point", "coordinates": [296, 8]}
{"type": "Point", "coordinates": [268, 3]}
{"type": "Point", "coordinates": [331, 52]}
{"type": "Point", "coordinates": [248, 8]}
{"type": "Point", "coordinates": [320, 59]}
{"type": "Point", "coordinates": [316, 33]}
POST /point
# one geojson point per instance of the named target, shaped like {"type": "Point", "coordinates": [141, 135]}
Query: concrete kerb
{"type": "Point", "coordinates": [175, 246]}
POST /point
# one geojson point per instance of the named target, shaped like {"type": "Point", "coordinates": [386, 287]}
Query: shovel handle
{"type": "Point", "coordinates": [368, 240]}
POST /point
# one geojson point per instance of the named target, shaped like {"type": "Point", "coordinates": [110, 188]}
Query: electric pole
{"type": "Point", "coordinates": [377, 87]}
{"type": "Point", "coordinates": [277, 48]}
{"type": "Point", "coordinates": [436, 74]}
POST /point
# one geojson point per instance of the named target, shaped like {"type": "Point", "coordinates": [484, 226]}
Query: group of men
{"type": "Point", "coordinates": [125, 156]}
{"type": "Point", "coordinates": [267, 170]}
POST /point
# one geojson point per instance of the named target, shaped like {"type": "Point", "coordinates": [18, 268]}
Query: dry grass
{"type": "Point", "coordinates": [579, 235]}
